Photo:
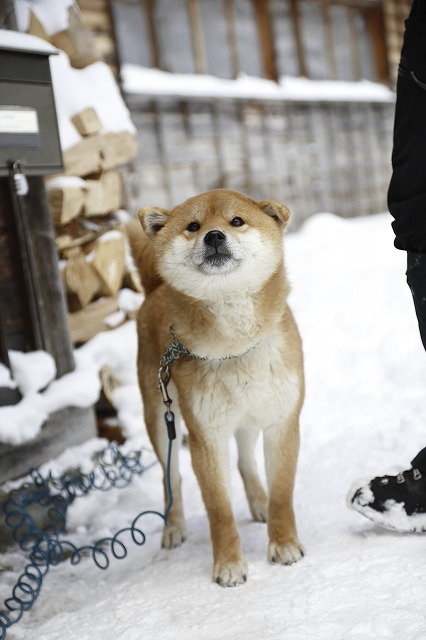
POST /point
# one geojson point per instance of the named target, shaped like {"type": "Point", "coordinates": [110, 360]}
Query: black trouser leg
{"type": "Point", "coordinates": [416, 278]}
{"type": "Point", "coordinates": [407, 189]}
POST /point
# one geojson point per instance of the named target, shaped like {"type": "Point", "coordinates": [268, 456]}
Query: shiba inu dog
{"type": "Point", "coordinates": [213, 270]}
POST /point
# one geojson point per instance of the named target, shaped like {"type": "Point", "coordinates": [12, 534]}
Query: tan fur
{"type": "Point", "coordinates": [219, 306]}
{"type": "Point", "coordinates": [144, 256]}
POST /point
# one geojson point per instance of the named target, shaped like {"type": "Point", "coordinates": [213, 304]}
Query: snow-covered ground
{"type": "Point", "coordinates": [364, 415]}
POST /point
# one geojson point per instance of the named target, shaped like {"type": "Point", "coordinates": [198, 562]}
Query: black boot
{"type": "Point", "coordinates": [394, 502]}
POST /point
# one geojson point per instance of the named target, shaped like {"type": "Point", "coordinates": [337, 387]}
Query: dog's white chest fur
{"type": "Point", "coordinates": [256, 389]}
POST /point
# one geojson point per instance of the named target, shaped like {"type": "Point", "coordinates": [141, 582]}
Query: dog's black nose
{"type": "Point", "coordinates": [214, 238]}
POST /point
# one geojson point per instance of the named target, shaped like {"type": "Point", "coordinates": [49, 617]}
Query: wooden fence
{"type": "Point", "coordinates": [319, 39]}
{"type": "Point", "coordinates": [311, 156]}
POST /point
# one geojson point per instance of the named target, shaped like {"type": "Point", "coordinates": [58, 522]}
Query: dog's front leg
{"type": "Point", "coordinates": [210, 462]}
{"type": "Point", "coordinates": [281, 451]}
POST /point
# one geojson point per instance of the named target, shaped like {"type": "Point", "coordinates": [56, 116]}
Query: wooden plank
{"type": "Point", "coordinates": [330, 48]}
{"type": "Point", "coordinates": [376, 27]}
{"type": "Point", "coordinates": [152, 33]}
{"type": "Point", "coordinates": [197, 36]}
{"type": "Point", "coordinates": [263, 18]}
{"type": "Point", "coordinates": [295, 15]}
{"type": "Point", "coordinates": [232, 36]}
{"type": "Point", "coordinates": [46, 284]}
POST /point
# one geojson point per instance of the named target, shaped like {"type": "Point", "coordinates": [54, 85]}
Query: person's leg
{"type": "Point", "coordinates": [407, 189]}
{"type": "Point", "coordinates": [416, 278]}
{"type": "Point", "coordinates": [399, 502]}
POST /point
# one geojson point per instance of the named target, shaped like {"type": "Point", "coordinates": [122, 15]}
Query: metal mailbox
{"type": "Point", "coordinates": [28, 123]}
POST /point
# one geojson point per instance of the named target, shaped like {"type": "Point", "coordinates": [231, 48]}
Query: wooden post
{"type": "Point", "coordinates": [266, 38]}
{"type": "Point", "coordinates": [232, 37]}
{"type": "Point", "coordinates": [376, 27]}
{"type": "Point", "coordinates": [295, 14]}
{"type": "Point", "coordinates": [329, 39]}
{"type": "Point", "coordinates": [197, 36]}
{"type": "Point", "coordinates": [153, 40]}
{"type": "Point", "coordinates": [41, 274]}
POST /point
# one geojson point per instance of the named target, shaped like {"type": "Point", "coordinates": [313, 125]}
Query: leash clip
{"type": "Point", "coordinates": [164, 376]}
{"type": "Point", "coordinates": [163, 381]}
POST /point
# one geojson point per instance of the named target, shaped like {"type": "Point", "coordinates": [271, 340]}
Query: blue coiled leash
{"type": "Point", "coordinates": [46, 548]}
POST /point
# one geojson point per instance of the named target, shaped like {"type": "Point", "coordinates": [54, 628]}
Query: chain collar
{"type": "Point", "coordinates": [176, 349]}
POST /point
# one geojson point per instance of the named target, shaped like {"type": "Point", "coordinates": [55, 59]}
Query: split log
{"type": "Point", "coordinates": [82, 231]}
{"type": "Point", "coordinates": [35, 27]}
{"type": "Point", "coordinates": [77, 41]}
{"type": "Point", "coordinates": [83, 157]}
{"type": "Point", "coordinates": [87, 122]}
{"type": "Point", "coordinates": [117, 149]}
{"type": "Point", "coordinates": [99, 152]}
{"type": "Point", "coordinates": [112, 186]}
{"type": "Point", "coordinates": [104, 194]}
{"type": "Point", "coordinates": [89, 321]}
{"type": "Point", "coordinates": [66, 198]}
{"type": "Point", "coordinates": [107, 257]}
{"type": "Point", "coordinates": [94, 200]}
{"type": "Point", "coordinates": [80, 279]}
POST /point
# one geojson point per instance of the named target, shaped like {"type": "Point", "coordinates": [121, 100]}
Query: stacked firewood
{"type": "Point", "coordinates": [86, 202]}
{"type": "Point", "coordinates": [85, 205]}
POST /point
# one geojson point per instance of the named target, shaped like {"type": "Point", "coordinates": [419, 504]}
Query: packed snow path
{"type": "Point", "coordinates": [365, 415]}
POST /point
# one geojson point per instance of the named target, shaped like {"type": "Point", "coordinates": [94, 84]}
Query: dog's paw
{"type": "Point", "coordinates": [230, 574]}
{"type": "Point", "coordinates": [285, 553]}
{"type": "Point", "coordinates": [173, 536]}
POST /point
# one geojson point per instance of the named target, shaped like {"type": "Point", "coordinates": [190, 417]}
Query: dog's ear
{"type": "Point", "coordinates": [152, 219]}
{"type": "Point", "coordinates": [277, 211]}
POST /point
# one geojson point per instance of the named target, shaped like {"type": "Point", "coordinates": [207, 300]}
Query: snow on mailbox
{"type": "Point", "coordinates": [28, 123]}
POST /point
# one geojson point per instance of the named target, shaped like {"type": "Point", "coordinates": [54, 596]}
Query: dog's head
{"type": "Point", "coordinates": [218, 237]}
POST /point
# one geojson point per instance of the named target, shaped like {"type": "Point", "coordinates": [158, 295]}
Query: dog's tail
{"type": "Point", "coordinates": [143, 254]}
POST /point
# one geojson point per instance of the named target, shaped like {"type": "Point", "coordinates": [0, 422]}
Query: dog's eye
{"type": "Point", "coordinates": [237, 222]}
{"type": "Point", "coordinates": [193, 226]}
